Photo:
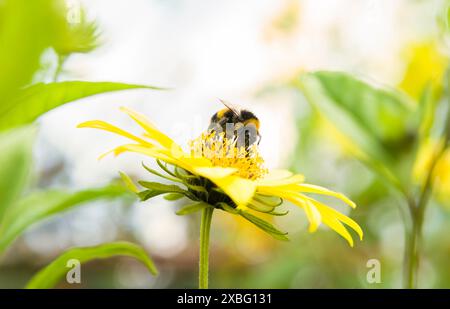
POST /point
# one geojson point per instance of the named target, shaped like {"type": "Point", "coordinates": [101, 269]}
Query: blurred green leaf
{"type": "Point", "coordinates": [40, 98]}
{"type": "Point", "coordinates": [443, 18]}
{"type": "Point", "coordinates": [78, 37]}
{"type": "Point", "coordinates": [49, 276]}
{"type": "Point", "coordinates": [382, 113]}
{"type": "Point", "coordinates": [341, 117]}
{"type": "Point", "coordinates": [27, 28]}
{"type": "Point", "coordinates": [376, 121]}
{"type": "Point", "coordinates": [264, 225]}
{"type": "Point", "coordinates": [43, 204]}
{"type": "Point", "coordinates": [15, 164]}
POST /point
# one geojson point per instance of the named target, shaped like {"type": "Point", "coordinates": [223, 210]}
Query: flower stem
{"type": "Point", "coordinates": [417, 212]}
{"type": "Point", "coordinates": [205, 227]}
{"type": "Point", "coordinates": [59, 67]}
{"type": "Point", "coordinates": [412, 254]}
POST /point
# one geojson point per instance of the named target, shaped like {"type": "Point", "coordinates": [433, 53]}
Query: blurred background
{"type": "Point", "coordinates": [244, 52]}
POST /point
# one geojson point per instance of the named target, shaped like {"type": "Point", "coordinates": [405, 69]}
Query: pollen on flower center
{"type": "Point", "coordinates": [224, 152]}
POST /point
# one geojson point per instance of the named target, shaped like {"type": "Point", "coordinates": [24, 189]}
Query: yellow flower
{"type": "Point", "coordinates": [219, 174]}
{"type": "Point", "coordinates": [426, 65]}
{"type": "Point", "coordinates": [441, 173]}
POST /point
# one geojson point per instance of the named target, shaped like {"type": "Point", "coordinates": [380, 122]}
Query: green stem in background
{"type": "Point", "coordinates": [59, 67]}
{"type": "Point", "coordinates": [412, 250]}
{"type": "Point", "coordinates": [417, 212]}
{"type": "Point", "coordinates": [205, 228]}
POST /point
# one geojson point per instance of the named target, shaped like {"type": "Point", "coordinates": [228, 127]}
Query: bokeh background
{"type": "Point", "coordinates": [244, 52]}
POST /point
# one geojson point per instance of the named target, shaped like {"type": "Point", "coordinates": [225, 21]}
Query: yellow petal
{"type": "Point", "coordinates": [183, 161]}
{"type": "Point", "coordinates": [196, 162]}
{"type": "Point", "coordinates": [103, 155]}
{"type": "Point", "coordinates": [328, 215]}
{"type": "Point", "coordinates": [215, 172]}
{"type": "Point", "coordinates": [314, 216]}
{"type": "Point", "coordinates": [338, 227]}
{"type": "Point", "coordinates": [151, 131]}
{"type": "Point", "coordinates": [153, 152]}
{"type": "Point", "coordinates": [102, 125]}
{"type": "Point", "coordinates": [280, 178]}
{"type": "Point", "coordinates": [307, 188]}
{"type": "Point", "coordinates": [240, 190]}
{"type": "Point", "coordinates": [328, 211]}
{"type": "Point", "coordinates": [275, 174]}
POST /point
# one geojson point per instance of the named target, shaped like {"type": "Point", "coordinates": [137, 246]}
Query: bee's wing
{"type": "Point", "coordinates": [232, 108]}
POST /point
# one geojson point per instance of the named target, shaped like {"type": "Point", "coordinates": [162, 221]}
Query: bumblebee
{"type": "Point", "coordinates": [239, 124]}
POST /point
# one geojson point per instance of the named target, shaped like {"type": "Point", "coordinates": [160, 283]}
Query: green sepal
{"type": "Point", "coordinates": [156, 173]}
{"type": "Point", "coordinates": [279, 214]}
{"type": "Point", "coordinates": [264, 225]}
{"type": "Point", "coordinates": [128, 182]}
{"type": "Point", "coordinates": [227, 208]}
{"type": "Point", "coordinates": [190, 209]}
{"type": "Point", "coordinates": [260, 207]}
{"type": "Point", "coordinates": [173, 196]}
{"type": "Point", "coordinates": [273, 201]}
{"type": "Point", "coordinates": [156, 188]}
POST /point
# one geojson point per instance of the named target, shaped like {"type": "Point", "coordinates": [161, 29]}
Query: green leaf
{"type": "Point", "coordinates": [79, 37]}
{"type": "Point", "coordinates": [381, 112]}
{"type": "Point", "coordinates": [189, 209]}
{"type": "Point", "coordinates": [49, 276]}
{"type": "Point", "coordinates": [15, 164]}
{"type": "Point", "coordinates": [40, 98]}
{"type": "Point", "coordinates": [377, 121]}
{"type": "Point", "coordinates": [44, 204]}
{"type": "Point", "coordinates": [264, 225]}
{"type": "Point", "coordinates": [374, 119]}
{"type": "Point", "coordinates": [27, 29]}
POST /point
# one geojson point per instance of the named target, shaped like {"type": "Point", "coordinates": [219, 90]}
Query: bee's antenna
{"type": "Point", "coordinates": [233, 109]}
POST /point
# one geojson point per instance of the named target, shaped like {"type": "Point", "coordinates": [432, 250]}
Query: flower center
{"type": "Point", "coordinates": [224, 152]}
